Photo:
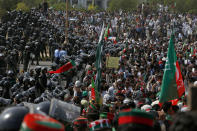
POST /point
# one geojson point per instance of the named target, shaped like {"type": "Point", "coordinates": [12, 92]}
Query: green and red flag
{"type": "Point", "coordinates": [93, 94]}
{"type": "Point", "coordinates": [172, 84]}
{"type": "Point", "coordinates": [107, 32]}
{"type": "Point", "coordinates": [64, 68]}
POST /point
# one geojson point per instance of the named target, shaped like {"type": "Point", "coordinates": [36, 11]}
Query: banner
{"type": "Point", "coordinates": [112, 62]}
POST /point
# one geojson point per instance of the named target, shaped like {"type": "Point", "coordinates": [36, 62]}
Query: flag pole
{"type": "Point", "coordinates": [67, 25]}
{"type": "Point", "coordinates": [93, 3]}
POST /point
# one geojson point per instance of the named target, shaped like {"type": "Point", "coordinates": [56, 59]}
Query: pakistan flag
{"type": "Point", "coordinates": [169, 86]}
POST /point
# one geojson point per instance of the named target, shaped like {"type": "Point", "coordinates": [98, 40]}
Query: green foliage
{"type": "Point", "coordinates": [92, 8]}
{"type": "Point", "coordinates": [32, 3]}
{"type": "Point", "coordinates": [186, 6]}
{"type": "Point", "coordinates": [155, 1]}
{"type": "Point", "coordinates": [2, 12]}
{"type": "Point", "coordinates": [179, 5]}
{"type": "Point", "coordinates": [51, 2]}
{"type": "Point", "coordinates": [8, 5]}
{"type": "Point", "coordinates": [191, 4]}
{"type": "Point", "coordinates": [122, 4]}
{"type": "Point", "coordinates": [59, 6]}
{"type": "Point", "coordinates": [25, 5]}
{"type": "Point", "coordinates": [22, 6]}
{"type": "Point", "coordinates": [182, 6]}
{"type": "Point", "coordinates": [193, 11]}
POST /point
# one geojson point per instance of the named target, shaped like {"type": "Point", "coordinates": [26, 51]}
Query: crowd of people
{"type": "Point", "coordinates": [128, 95]}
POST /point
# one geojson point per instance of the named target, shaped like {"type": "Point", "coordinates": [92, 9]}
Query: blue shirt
{"type": "Point", "coordinates": [63, 53]}
{"type": "Point", "coordinates": [57, 53]}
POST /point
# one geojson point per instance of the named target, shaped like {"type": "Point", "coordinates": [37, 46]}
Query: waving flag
{"type": "Point", "coordinates": [179, 80]}
{"type": "Point", "coordinates": [107, 32]}
{"type": "Point", "coordinates": [98, 63]}
{"type": "Point", "coordinates": [172, 84]}
{"type": "Point", "coordinates": [93, 95]}
{"type": "Point", "coordinates": [64, 68]}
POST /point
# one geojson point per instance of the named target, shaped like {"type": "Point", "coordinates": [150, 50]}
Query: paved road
{"type": "Point", "coordinates": [45, 64]}
{"type": "Point", "coordinates": [42, 63]}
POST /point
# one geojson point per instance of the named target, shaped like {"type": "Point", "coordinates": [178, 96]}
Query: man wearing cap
{"type": "Point", "coordinates": [119, 84]}
{"type": "Point", "coordinates": [38, 122]}
{"type": "Point", "coordinates": [135, 120]}
{"type": "Point", "coordinates": [128, 88]}
{"type": "Point", "coordinates": [77, 89]}
{"type": "Point", "coordinates": [80, 124]}
{"type": "Point", "coordinates": [68, 98]}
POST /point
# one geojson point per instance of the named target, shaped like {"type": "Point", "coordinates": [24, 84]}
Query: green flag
{"type": "Point", "coordinates": [107, 33]}
{"type": "Point", "coordinates": [98, 63]}
{"type": "Point", "coordinates": [169, 86]}
{"type": "Point", "coordinates": [192, 51]}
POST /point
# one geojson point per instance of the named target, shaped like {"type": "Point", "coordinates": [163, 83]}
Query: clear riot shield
{"type": "Point", "coordinates": [63, 111]}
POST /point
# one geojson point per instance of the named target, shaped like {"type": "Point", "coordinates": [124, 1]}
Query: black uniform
{"type": "Point", "coordinates": [26, 58]}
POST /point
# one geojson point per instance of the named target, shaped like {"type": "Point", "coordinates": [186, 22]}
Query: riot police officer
{"type": "Point", "coordinates": [2, 64]}
{"type": "Point", "coordinates": [43, 79]}
{"type": "Point", "coordinates": [37, 52]}
{"type": "Point", "coordinates": [13, 122]}
{"type": "Point", "coordinates": [26, 57]}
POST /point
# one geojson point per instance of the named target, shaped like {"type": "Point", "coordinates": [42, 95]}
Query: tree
{"type": "Point", "coordinates": [2, 12]}
{"type": "Point", "coordinates": [182, 6]}
{"type": "Point", "coordinates": [32, 3]}
{"type": "Point", "coordinates": [179, 5]}
{"type": "Point", "coordinates": [123, 4]}
{"type": "Point", "coordinates": [92, 7]}
{"type": "Point", "coordinates": [59, 6]}
{"type": "Point", "coordinates": [192, 6]}
{"type": "Point", "coordinates": [22, 6]}
{"type": "Point", "coordinates": [8, 5]}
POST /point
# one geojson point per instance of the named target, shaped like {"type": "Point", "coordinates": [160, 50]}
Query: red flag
{"type": "Point", "coordinates": [180, 84]}
{"type": "Point", "coordinates": [160, 104]}
{"type": "Point", "coordinates": [115, 42]}
{"type": "Point", "coordinates": [64, 68]}
{"type": "Point", "coordinates": [194, 53]}
{"type": "Point", "coordinates": [174, 102]}
{"type": "Point", "coordinates": [179, 80]}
